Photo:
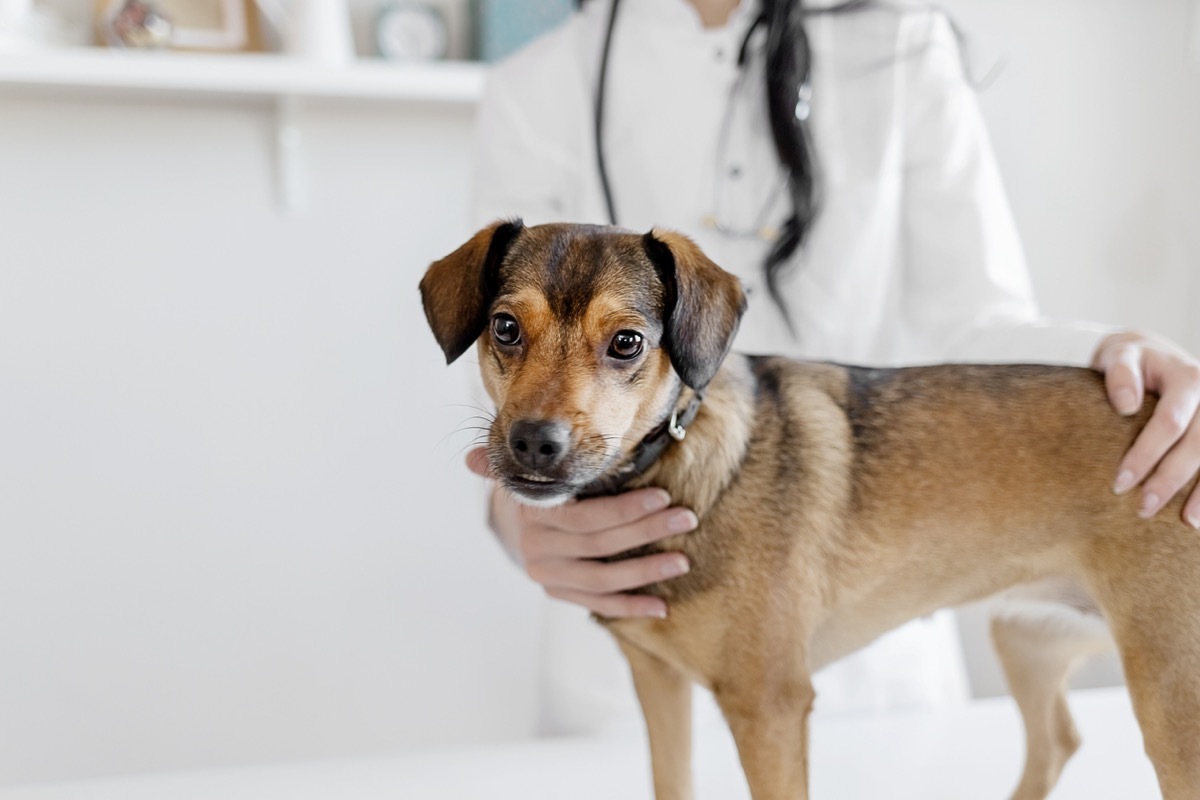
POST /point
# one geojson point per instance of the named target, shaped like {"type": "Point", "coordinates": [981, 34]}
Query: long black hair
{"type": "Point", "coordinates": [788, 75]}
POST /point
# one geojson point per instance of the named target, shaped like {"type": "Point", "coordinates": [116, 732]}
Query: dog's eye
{"type": "Point", "coordinates": [506, 330]}
{"type": "Point", "coordinates": [626, 345]}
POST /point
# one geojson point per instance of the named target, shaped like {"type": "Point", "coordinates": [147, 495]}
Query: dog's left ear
{"type": "Point", "coordinates": [702, 306]}
{"type": "Point", "coordinates": [458, 289]}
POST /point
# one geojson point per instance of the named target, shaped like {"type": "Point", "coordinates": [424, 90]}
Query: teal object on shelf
{"type": "Point", "coordinates": [504, 26]}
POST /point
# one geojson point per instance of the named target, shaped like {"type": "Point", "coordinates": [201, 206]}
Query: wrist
{"type": "Point", "coordinates": [501, 520]}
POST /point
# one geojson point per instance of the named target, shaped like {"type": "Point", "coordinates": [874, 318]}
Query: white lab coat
{"type": "Point", "coordinates": [913, 258]}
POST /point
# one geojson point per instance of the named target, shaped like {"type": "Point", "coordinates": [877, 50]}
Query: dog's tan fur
{"type": "Point", "coordinates": [835, 503]}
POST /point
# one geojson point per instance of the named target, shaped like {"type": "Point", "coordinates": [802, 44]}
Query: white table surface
{"type": "Point", "coordinates": [971, 753]}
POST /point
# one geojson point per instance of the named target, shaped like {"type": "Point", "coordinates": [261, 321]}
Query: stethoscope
{"type": "Point", "coordinates": [761, 229]}
{"type": "Point", "coordinates": [598, 117]}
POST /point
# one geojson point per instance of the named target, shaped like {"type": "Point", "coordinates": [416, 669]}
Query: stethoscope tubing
{"type": "Point", "coordinates": [601, 166]}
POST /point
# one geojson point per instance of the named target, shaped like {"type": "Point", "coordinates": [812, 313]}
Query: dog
{"type": "Point", "coordinates": [835, 502]}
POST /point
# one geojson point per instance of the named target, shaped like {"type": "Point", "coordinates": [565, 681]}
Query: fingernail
{"type": "Point", "coordinates": [1193, 519]}
{"type": "Point", "coordinates": [1149, 506]}
{"type": "Point", "coordinates": [682, 521]}
{"type": "Point", "coordinates": [674, 567]}
{"type": "Point", "coordinates": [1126, 401]}
{"type": "Point", "coordinates": [658, 613]}
{"type": "Point", "coordinates": [656, 499]}
{"type": "Point", "coordinates": [1124, 482]}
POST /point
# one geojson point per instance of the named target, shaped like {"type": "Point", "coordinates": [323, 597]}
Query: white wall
{"type": "Point", "coordinates": [1095, 117]}
{"type": "Point", "coordinates": [231, 528]}
{"type": "Point", "coordinates": [234, 523]}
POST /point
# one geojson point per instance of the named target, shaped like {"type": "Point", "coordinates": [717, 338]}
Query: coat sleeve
{"type": "Point", "coordinates": [966, 291]}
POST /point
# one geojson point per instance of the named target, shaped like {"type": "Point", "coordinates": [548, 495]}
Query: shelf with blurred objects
{"type": "Point", "coordinates": [241, 75]}
{"type": "Point", "coordinates": [267, 52]}
{"type": "Point", "coordinates": [397, 50]}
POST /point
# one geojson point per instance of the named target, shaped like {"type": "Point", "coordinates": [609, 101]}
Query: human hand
{"type": "Point", "coordinates": [1134, 363]}
{"type": "Point", "coordinates": [558, 547]}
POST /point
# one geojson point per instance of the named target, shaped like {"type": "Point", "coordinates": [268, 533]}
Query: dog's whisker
{"type": "Point", "coordinates": [465, 448]}
{"type": "Point", "coordinates": [484, 413]}
{"type": "Point", "coordinates": [605, 440]}
{"type": "Point", "coordinates": [481, 434]}
{"type": "Point", "coordinates": [465, 428]}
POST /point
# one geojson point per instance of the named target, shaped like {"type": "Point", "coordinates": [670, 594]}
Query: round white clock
{"type": "Point", "coordinates": [411, 31]}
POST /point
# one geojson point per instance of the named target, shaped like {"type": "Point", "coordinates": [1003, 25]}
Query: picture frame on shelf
{"type": "Point", "coordinates": [196, 25]}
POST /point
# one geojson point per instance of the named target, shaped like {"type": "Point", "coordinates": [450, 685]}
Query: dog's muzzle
{"type": "Point", "coordinates": [538, 445]}
{"type": "Point", "coordinates": [538, 469]}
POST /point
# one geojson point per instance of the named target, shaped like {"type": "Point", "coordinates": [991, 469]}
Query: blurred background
{"type": "Point", "coordinates": [235, 526]}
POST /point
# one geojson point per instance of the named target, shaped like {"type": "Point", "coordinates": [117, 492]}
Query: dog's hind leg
{"type": "Point", "coordinates": [666, 698]}
{"type": "Point", "coordinates": [1167, 704]}
{"type": "Point", "coordinates": [1039, 648]}
{"type": "Point", "coordinates": [1151, 594]}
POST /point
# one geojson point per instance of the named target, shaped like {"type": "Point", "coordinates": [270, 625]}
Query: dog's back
{"type": "Point", "coordinates": [916, 489]}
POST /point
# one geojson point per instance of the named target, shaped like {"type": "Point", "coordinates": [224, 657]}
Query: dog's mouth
{"type": "Point", "coordinates": [542, 479]}
{"type": "Point", "coordinates": [552, 483]}
{"type": "Point", "coordinates": [539, 490]}
{"type": "Point", "coordinates": [548, 490]}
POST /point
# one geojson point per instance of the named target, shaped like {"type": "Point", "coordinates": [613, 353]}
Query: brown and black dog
{"type": "Point", "coordinates": [835, 503]}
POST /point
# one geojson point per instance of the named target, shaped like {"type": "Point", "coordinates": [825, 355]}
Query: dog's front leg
{"type": "Point", "coordinates": [769, 720]}
{"type": "Point", "coordinates": [666, 698]}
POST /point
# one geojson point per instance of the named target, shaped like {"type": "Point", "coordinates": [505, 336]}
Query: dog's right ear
{"type": "Point", "coordinates": [458, 289]}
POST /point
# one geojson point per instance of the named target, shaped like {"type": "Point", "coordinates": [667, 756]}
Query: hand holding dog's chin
{"type": "Point", "coordinates": [1166, 455]}
{"type": "Point", "coordinates": [558, 547]}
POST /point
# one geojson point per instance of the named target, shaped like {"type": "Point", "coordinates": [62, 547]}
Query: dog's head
{"type": "Point", "coordinates": [584, 334]}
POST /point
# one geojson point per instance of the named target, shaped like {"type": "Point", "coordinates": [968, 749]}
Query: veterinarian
{"type": "Point", "coordinates": [837, 162]}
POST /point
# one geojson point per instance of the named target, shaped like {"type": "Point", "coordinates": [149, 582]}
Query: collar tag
{"type": "Point", "coordinates": [676, 430]}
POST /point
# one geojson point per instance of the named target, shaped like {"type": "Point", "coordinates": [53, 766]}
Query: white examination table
{"type": "Point", "coordinates": [971, 753]}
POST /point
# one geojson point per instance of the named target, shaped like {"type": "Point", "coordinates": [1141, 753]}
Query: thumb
{"type": "Point", "coordinates": [477, 462]}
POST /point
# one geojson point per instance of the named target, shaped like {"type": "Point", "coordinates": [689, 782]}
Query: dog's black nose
{"type": "Point", "coordinates": [538, 443]}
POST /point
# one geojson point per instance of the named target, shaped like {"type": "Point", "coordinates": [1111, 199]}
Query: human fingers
{"type": "Point", "coordinates": [1166, 454]}
{"type": "Point", "coordinates": [598, 577]}
{"type": "Point", "coordinates": [614, 606]}
{"type": "Point", "coordinates": [602, 513]}
{"type": "Point", "coordinates": [550, 542]}
{"type": "Point", "coordinates": [1175, 471]}
{"type": "Point", "coordinates": [477, 462]}
{"type": "Point", "coordinates": [1121, 363]}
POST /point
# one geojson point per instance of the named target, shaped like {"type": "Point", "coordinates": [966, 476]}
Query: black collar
{"type": "Point", "coordinates": [672, 429]}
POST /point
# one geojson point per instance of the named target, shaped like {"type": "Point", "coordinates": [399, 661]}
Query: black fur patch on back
{"type": "Point", "coordinates": [770, 390]}
{"type": "Point", "coordinates": [863, 386]}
